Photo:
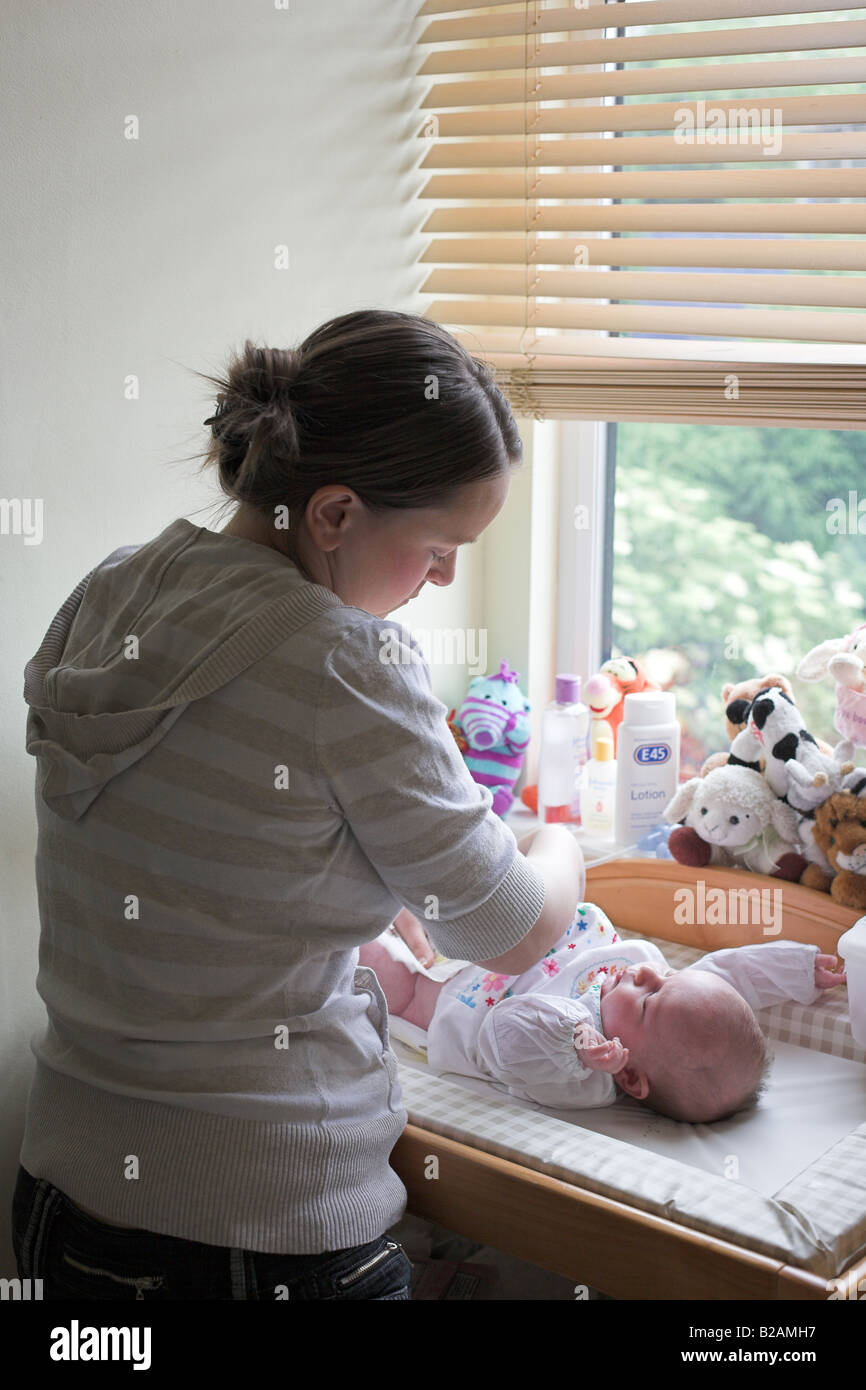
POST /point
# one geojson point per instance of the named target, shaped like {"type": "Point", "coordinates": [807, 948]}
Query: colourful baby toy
{"type": "Point", "coordinates": [491, 728]}
{"type": "Point", "coordinates": [605, 692]}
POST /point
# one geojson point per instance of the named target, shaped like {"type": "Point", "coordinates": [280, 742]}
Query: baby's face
{"type": "Point", "coordinates": [659, 1013]}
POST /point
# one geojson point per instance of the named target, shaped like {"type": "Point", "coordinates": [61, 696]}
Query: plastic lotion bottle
{"type": "Point", "coordinates": [564, 751]}
{"type": "Point", "coordinates": [648, 763]}
{"type": "Point", "coordinates": [597, 801]}
{"type": "Point", "coordinates": [851, 946]}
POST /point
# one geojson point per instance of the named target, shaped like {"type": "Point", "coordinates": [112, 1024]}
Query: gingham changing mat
{"type": "Point", "coordinates": [816, 1221]}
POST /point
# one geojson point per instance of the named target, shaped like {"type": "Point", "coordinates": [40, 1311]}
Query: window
{"type": "Point", "coordinates": [735, 551]}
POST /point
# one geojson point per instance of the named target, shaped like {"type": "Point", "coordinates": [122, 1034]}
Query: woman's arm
{"type": "Point", "coordinates": [555, 853]}
{"type": "Point", "coordinates": [415, 812]}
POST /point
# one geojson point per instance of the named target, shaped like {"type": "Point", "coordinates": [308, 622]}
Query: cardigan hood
{"type": "Point", "coordinates": [128, 652]}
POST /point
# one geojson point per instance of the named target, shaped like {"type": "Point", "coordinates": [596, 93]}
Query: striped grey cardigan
{"type": "Point", "coordinates": [235, 790]}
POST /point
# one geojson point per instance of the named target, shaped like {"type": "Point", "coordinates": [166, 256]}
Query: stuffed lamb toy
{"type": "Point", "coordinates": [732, 817]}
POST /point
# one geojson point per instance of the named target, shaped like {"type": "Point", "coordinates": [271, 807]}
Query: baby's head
{"type": "Point", "coordinates": [696, 1052]}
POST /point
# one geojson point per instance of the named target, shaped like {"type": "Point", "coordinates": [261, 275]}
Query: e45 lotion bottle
{"type": "Point", "coordinates": [648, 763]}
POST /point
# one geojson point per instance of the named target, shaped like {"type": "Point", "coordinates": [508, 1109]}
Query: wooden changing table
{"type": "Point", "coordinates": [608, 1245]}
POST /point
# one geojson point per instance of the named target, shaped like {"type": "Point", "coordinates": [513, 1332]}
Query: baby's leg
{"type": "Point", "coordinates": [420, 1010]}
{"type": "Point", "coordinates": [410, 996]}
{"type": "Point", "coordinates": [398, 983]}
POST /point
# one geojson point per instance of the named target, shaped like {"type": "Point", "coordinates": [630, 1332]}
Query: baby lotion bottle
{"type": "Point", "coordinates": [597, 799]}
{"type": "Point", "coordinates": [648, 763]}
{"type": "Point", "coordinates": [564, 751]}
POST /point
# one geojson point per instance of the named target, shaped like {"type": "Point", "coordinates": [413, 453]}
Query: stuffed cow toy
{"type": "Point", "coordinates": [774, 735]}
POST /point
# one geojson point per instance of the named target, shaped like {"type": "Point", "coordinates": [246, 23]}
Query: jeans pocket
{"type": "Point", "coordinates": [89, 1259]}
{"type": "Point", "coordinates": [379, 1272]}
{"type": "Point", "coordinates": [80, 1278]}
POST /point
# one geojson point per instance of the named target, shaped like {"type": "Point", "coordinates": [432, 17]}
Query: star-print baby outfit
{"type": "Point", "coordinates": [519, 1029]}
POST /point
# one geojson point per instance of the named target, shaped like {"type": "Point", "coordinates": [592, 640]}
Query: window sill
{"type": "Point", "coordinates": [655, 896]}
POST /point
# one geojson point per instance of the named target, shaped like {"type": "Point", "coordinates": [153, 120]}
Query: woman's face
{"type": "Point", "coordinates": [378, 561]}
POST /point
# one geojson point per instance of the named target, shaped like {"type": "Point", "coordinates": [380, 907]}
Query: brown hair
{"type": "Point", "coordinates": [386, 403]}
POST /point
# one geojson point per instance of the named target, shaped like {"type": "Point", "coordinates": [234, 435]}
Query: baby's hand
{"type": "Point", "coordinates": [598, 1052]}
{"type": "Point", "coordinates": [828, 972]}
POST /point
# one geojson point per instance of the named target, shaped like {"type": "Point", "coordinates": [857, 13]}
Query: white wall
{"type": "Point", "coordinates": [257, 127]}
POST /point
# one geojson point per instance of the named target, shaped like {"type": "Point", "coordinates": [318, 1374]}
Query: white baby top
{"type": "Point", "coordinates": [519, 1029]}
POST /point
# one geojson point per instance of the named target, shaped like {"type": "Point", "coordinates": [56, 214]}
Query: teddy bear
{"type": "Point", "coordinates": [732, 817]}
{"type": "Point", "coordinates": [840, 831]}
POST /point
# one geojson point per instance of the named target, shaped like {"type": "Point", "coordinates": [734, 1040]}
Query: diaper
{"type": "Point", "coordinates": [441, 969]}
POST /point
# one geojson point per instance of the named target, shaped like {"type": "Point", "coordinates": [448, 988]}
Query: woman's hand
{"type": "Point", "coordinates": [828, 972]}
{"type": "Point", "coordinates": [415, 936]}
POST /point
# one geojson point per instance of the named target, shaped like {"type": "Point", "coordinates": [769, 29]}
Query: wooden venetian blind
{"type": "Point", "coordinates": [652, 209]}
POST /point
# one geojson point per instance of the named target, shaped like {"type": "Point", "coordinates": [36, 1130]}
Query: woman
{"type": "Point", "coordinates": [238, 785]}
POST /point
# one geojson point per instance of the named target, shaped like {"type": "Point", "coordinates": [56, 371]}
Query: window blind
{"type": "Point", "coordinates": [628, 228]}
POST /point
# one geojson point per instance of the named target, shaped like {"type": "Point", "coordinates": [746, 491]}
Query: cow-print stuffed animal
{"type": "Point", "coordinates": [796, 769]}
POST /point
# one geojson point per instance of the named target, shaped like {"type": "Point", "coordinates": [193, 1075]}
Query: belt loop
{"type": "Point", "coordinates": [237, 1267]}
{"type": "Point", "coordinates": [45, 1199]}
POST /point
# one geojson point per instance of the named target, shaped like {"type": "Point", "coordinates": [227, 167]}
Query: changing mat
{"type": "Point", "coordinates": [787, 1179]}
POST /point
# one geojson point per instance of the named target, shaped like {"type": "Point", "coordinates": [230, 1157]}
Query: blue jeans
{"type": "Point", "coordinates": [78, 1257]}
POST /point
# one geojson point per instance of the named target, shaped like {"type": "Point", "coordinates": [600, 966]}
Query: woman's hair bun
{"type": "Point", "coordinates": [265, 376]}
{"type": "Point", "coordinates": [258, 377]}
{"type": "Point", "coordinates": [256, 412]}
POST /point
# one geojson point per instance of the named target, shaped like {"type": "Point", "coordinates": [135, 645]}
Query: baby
{"type": "Point", "coordinates": [598, 1015]}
